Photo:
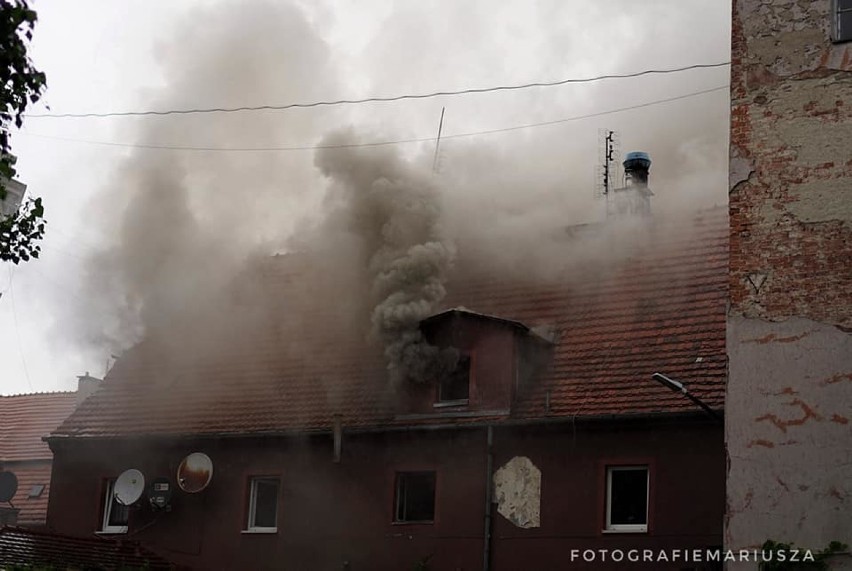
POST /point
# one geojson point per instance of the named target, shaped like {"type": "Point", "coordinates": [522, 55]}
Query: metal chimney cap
{"type": "Point", "coordinates": [637, 155]}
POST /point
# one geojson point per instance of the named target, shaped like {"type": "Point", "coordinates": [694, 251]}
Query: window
{"type": "Point", "coordinates": [263, 505]}
{"type": "Point", "coordinates": [841, 25]}
{"type": "Point", "coordinates": [415, 497]}
{"type": "Point", "coordinates": [115, 514]}
{"type": "Point", "coordinates": [455, 387]}
{"type": "Point", "coordinates": [627, 498]}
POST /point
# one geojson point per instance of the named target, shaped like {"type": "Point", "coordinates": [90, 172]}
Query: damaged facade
{"type": "Point", "coordinates": [788, 426]}
{"type": "Point", "coordinates": [549, 436]}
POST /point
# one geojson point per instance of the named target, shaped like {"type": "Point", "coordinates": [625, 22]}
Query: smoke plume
{"type": "Point", "coordinates": [393, 209]}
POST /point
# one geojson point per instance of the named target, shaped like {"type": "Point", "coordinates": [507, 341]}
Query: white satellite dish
{"type": "Point", "coordinates": [129, 487]}
{"type": "Point", "coordinates": [195, 472]}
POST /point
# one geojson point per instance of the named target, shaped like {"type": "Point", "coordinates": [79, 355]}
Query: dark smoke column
{"type": "Point", "coordinates": [392, 209]}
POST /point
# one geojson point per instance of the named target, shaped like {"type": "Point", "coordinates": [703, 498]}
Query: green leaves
{"type": "Point", "coordinates": [20, 85]}
{"type": "Point", "coordinates": [20, 232]}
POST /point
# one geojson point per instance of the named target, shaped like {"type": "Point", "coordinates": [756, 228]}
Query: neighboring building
{"type": "Point", "coordinates": [22, 548]}
{"type": "Point", "coordinates": [24, 421]}
{"type": "Point", "coordinates": [319, 463]}
{"type": "Point", "coordinates": [789, 420]}
{"type": "Point", "coordinates": [15, 191]}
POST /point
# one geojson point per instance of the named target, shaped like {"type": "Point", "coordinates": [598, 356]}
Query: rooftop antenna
{"type": "Point", "coordinates": [435, 164]}
{"type": "Point", "coordinates": [608, 160]}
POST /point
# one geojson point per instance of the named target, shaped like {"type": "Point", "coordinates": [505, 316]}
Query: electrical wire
{"type": "Point", "coordinates": [285, 106]}
{"type": "Point", "coordinates": [376, 143]}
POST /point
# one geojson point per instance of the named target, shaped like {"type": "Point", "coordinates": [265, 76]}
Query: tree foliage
{"type": "Point", "coordinates": [22, 85]}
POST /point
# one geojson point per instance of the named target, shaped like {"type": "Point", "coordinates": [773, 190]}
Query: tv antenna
{"type": "Point", "coordinates": [436, 163]}
{"type": "Point", "coordinates": [609, 155]}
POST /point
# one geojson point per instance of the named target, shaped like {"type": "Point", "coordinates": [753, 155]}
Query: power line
{"type": "Point", "coordinates": [376, 143]}
{"type": "Point", "coordinates": [285, 106]}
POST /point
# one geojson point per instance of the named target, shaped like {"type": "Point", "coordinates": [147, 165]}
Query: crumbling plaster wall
{"type": "Point", "coordinates": [789, 398]}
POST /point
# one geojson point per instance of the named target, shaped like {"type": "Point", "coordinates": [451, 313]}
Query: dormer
{"type": "Point", "coordinates": [497, 360]}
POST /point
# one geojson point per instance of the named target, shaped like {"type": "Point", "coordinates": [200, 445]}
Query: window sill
{"type": "Point", "coordinates": [427, 522]}
{"type": "Point", "coordinates": [260, 531]}
{"type": "Point", "coordinates": [451, 403]}
{"type": "Point", "coordinates": [119, 531]}
{"type": "Point", "coordinates": [626, 530]}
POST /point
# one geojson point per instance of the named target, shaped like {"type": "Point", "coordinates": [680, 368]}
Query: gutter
{"type": "Point", "coordinates": [699, 416]}
{"type": "Point", "coordinates": [489, 491]}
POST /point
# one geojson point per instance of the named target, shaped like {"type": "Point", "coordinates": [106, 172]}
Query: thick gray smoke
{"type": "Point", "coordinates": [181, 225]}
{"type": "Point", "coordinates": [393, 209]}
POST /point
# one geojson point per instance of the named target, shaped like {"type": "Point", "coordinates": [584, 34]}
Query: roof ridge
{"type": "Point", "coordinates": [38, 393]}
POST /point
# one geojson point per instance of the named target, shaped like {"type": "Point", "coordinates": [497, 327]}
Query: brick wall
{"type": "Point", "coordinates": [791, 163]}
{"type": "Point", "coordinates": [789, 342]}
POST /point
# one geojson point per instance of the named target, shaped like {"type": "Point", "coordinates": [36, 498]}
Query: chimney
{"type": "Point", "coordinates": [636, 167]}
{"type": "Point", "coordinates": [634, 199]}
{"type": "Point", "coordinates": [86, 385]}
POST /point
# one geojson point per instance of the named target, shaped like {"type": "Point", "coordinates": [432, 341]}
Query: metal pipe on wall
{"type": "Point", "coordinates": [489, 468]}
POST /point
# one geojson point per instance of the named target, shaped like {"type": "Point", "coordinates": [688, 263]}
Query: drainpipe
{"type": "Point", "coordinates": [489, 468]}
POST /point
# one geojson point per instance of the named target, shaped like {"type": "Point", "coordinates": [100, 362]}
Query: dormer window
{"type": "Point", "coordinates": [454, 388]}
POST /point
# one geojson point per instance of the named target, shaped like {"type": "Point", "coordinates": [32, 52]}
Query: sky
{"type": "Point", "coordinates": [63, 315]}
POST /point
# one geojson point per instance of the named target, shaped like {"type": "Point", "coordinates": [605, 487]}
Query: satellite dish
{"type": "Point", "coordinates": [8, 486]}
{"type": "Point", "coordinates": [160, 492]}
{"type": "Point", "coordinates": [195, 472]}
{"type": "Point", "coordinates": [129, 487]}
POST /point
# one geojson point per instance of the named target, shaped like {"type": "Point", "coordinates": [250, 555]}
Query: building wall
{"type": "Point", "coordinates": [333, 513]}
{"type": "Point", "coordinates": [789, 437]}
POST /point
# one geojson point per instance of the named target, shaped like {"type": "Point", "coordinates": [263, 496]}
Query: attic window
{"type": "Point", "coordinates": [455, 387]}
{"type": "Point", "coordinates": [36, 490]}
{"type": "Point", "coordinates": [841, 25]}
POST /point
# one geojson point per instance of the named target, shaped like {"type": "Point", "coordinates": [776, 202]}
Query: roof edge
{"type": "Point", "coordinates": [697, 415]}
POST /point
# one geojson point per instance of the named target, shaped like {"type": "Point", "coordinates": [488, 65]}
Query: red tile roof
{"type": "Point", "coordinates": [42, 549]}
{"type": "Point", "coordinates": [25, 419]}
{"type": "Point", "coordinates": [660, 308]}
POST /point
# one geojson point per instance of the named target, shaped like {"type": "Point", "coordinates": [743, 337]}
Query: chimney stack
{"type": "Point", "coordinates": [636, 167]}
{"type": "Point", "coordinates": [86, 385]}
{"type": "Point", "coordinates": [634, 199]}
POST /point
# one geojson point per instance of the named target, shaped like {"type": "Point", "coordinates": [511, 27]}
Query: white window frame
{"type": "Point", "coordinates": [252, 511]}
{"type": "Point", "coordinates": [627, 528]}
{"type": "Point", "coordinates": [108, 499]}
{"type": "Point", "coordinates": [839, 35]}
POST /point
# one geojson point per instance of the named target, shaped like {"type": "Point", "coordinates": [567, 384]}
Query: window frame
{"type": "Point", "coordinates": [396, 496]}
{"type": "Point", "coordinates": [252, 504]}
{"type": "Point", "coordinates": [109, 498]}
{"type": "Point", "coordinates": [609, 527]}
{"type": "Point", "coordinates": [839, 36]}
{"type": "Point", "coordinates": [441, 403]}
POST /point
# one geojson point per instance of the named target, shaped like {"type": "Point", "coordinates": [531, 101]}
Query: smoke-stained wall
{"type": "Point", "coordinates": [790, 351]}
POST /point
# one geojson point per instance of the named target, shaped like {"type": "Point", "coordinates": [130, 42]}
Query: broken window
{"type": "Point", "coordinates": [841, 25]}
{"type": "Point", "coordinates": [115, 514]}
{"type": "Point", "coordinates": [455, 387]}
{"type": "Point", "coordinates": [627, 498]}
{"type": "Point", "coordinates": [415, 497]}
{"type": "Point", "coordinates": [263, 505]}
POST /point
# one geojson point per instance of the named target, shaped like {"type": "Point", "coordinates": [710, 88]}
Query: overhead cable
{"type": "Point", "coordinates": [282, 107]}
{"type": "Point", "coordinates": [376, 143]}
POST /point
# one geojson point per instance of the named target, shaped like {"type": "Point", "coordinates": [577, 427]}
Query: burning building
{"type": "Point", "coordinates": [458, 419]}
